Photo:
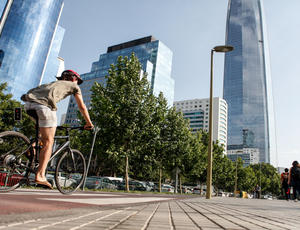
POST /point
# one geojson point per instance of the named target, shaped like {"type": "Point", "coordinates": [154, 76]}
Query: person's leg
{"type": "Point", "coordinates": [297, 191]}
{"type": "Point", "coordinates": [47, 136]}
{"type": "Point", "coordinates": [285, 190]}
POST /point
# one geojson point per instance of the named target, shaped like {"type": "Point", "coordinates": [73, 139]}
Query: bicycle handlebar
{"type": "Point", "coordinates": [75, 127]}
{"type": "Point", "coordinates": [70, 128]}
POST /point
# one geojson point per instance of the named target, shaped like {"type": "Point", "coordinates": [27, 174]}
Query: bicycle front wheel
{"type": "Point", "coordinates": [13, 160]}
{"type": "Point", "coordinates": [70, 171]}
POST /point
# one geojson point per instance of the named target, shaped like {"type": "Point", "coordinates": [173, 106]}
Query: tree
{"type": "Point", "coordinates": [223, 170]}
{"type": "Point", "coordinates": [121, 109]}
{"type": "Point", "coordinates": [196, 162]}
{"type": "Point", "coordinates": [247, 179]}
{"type": "Point", "coordinates": [177, 137]}
{"type": "Point", "coordinates": [7, 122]}
{"type": "Point", "coordinates": [268, 177]}
{"type": "Point", "coordinates": [153, 149]}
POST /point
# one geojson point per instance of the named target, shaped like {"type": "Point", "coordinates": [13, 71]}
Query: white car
{"type": "Point", "coordinates": [167, 188]}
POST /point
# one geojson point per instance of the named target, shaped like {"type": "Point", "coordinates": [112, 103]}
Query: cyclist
{"type": "Point", "coordinates": [43, 100]}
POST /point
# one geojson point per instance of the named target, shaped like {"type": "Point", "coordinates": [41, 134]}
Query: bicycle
{"type": "Point", "coordinates": [19, 159]}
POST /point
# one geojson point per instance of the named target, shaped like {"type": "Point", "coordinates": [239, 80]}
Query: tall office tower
{"type": "Point", "coordinates": [197, 111]}
{"type": "Point", "coordinates": [247, 79]}
{"type": "Point", "coordinates": [155, 58]}
{"type": "Point", "coordinates": [26, 37]}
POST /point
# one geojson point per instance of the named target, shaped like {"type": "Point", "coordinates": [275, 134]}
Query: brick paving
{"type": "Point", "coordinates": [186, 214]}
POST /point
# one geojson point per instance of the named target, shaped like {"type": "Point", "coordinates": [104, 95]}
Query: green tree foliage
{"type": "Point", "coordinates": [7, 122]}
{"type": "Point", "coordinates": [142, 138]}
{"type": "Point", "coordinates": [195, 165]}
{"type": "Point", "coordinates": [121, 109]}
{"type": "Point", "coordinates": [246, 179]}
{"type": "Point", "coordinates": [268, 177]}
{"type": "Point", "coordinates": [223, 170]}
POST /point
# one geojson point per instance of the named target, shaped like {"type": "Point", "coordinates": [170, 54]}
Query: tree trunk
{"type": "Point", "coordinates": [126, 174]}
{"type": "Point", "coordinates": [159, 182]}
{"type": "Point", "coordinates": [176, 179]}
{"type": "Point", "coordinates": [180, 185]}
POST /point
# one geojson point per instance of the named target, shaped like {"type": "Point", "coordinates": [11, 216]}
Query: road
{"type": "Point", "coordinates": [44, 209]}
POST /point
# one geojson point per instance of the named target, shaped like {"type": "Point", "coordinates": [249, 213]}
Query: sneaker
{"type": "Point", "coordinates": [296, 200]}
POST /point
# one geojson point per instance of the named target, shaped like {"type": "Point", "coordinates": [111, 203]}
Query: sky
{"type": "Point", "coordinates": [191, 28]}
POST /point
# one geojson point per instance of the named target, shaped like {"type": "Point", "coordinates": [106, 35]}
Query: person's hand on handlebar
{"type": "Point", "coordinates": [88, 126]}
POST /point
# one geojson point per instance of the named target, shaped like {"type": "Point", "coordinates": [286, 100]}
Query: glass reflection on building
{"type": "Point", "coordinates": [155, 58]}
{"type": "Point", "coordinates": [25, 43]}
{"type": "Point", "coordinates": [247, 80]}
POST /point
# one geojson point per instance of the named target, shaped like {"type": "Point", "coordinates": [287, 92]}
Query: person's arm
{"type": "Point", "coordinates": [83, 110]}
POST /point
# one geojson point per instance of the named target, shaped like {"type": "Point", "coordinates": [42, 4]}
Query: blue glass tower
{"type": "Point", "coordinates": [247, 79]}
{"type": "Point", "coordinates": [156, 60]}
{"type": "Point", "coordinates": [25, 42]}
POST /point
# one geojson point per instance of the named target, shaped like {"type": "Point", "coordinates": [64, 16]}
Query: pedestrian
{"type": "Point", "coordinates": [257, 192]}
{"type": "Point", "coordinates": [294, 179]}
{"type": "Point", "coordinates": [43, 100]}
{"type": "Point", "coordinates": [284, 177]}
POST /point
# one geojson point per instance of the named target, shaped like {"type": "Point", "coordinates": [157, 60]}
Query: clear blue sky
{"type": "Point", "coordinates": [190, 28]}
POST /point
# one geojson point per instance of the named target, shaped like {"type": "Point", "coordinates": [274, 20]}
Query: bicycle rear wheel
{"type": "Point", "coordinates": [70, 171]}
{"type": "Point", "coordinates": [13, 162]}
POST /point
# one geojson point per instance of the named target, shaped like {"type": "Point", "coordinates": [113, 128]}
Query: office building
{"type": "Point", "coordinates": [155, 58]}
{"type": "Point", "coordinates": [247, 79]}
{"type": "Point", "coordinates": [197, 111]}
{"type": "Point", "coordinates": [248, 155]}
{"type": "Point", "coordinates": [27, 32]}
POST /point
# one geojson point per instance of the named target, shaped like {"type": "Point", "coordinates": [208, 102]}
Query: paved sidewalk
{"type": "Point", "coordinates": [187, 214]}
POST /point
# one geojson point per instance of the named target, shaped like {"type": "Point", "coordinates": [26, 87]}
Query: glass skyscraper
{"type": "Point", "coordinates": [25, 42]}
{"type": "Point", "coordinates": [155, 58]}
{"type": "Point", "coordinates": [247, 80]}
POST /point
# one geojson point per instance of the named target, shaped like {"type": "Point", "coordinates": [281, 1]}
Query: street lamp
{"type": "Point", "coordinates": [219, 49]}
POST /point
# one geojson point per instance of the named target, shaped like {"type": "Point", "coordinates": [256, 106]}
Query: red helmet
{"type": "Point", "coordinates": [69, 74]}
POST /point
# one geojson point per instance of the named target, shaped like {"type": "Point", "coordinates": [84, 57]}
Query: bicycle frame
{"type": "Point", "coordinates": [58, 150]}
{"type": "Point", "coordinates": [60, 147]}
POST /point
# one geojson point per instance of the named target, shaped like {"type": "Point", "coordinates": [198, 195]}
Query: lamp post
{"type": "Point", "coordinates": [219, 49]}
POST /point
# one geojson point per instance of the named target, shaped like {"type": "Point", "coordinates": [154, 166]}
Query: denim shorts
{"type": "Point", "coordinates": [47, 117]}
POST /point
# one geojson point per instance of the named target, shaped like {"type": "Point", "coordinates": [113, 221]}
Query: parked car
{"type": "Point", "coordinates": [268, 197]}
{"type": "Point", "coordinates": [95, 182]}
{"type": "Point", "coordinates": [113, 180]}
{"type": "Point", "coordinates": [197, 191]}
{"type": "Point", "coordinates": [186, 189]}
{"type": "Point", "coordinates": [167, 188]}
{"type": "Point", "coordinates": [134, 185]}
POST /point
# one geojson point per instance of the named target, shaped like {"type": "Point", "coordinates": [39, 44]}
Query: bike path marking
{"type": "Point", "coordinates": [109, 201]}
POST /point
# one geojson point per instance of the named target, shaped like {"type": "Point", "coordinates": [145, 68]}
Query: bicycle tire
{"type": "Point", "coordinates": [70, 171]}
{"type": "Point", "coordinates": [12, 161]}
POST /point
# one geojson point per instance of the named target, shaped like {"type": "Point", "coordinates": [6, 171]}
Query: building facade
{"type": "Point", "coordinates": [247, 79]}
{"type": "Point", "coordinates": [155, 58]}
{"type": "Point", "coordinates": [197, 112]}
{"type": "Point", "coordinates": [248, 155]}
{"type": "Point", "coordinates": [27, 33]}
